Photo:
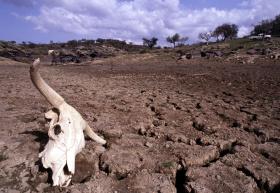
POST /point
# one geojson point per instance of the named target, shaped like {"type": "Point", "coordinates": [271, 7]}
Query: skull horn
{"type": "Point", "coordinates": [52, 97]}
{"type": "Point", "coordinates": [93, 135]}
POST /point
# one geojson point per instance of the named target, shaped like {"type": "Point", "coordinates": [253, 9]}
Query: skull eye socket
{"type": "Point", "coordinates": [57, 129]}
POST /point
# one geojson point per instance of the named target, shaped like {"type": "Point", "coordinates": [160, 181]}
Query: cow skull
{"type": "Point", "coordinates": [66, 126]}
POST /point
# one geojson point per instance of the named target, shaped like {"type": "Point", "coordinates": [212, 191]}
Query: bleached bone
{"type": "Point", "coordinates": [66, 137]}
{"type": "Point", "coordinates": [50, 52]}
{"type": "Point", "coordinates": [55, 56]}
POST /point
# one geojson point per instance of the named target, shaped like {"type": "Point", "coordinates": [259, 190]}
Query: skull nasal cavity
{"type": "Point", "coordinates": [57, 129]}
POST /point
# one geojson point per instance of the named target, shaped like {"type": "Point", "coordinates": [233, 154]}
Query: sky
{"type": "Point", "coordinates": [41, 21]}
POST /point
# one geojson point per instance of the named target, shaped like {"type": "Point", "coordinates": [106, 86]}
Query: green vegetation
{"type": "Point", "coordinates": [240, 43]}
{"type": "Point", "coordinates": [169, 164]}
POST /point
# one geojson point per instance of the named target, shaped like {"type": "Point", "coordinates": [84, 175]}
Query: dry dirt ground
{"type": "Point", "coordinates": [190, 126]}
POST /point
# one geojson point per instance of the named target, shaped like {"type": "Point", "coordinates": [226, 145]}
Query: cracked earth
{"type": "Point", "coordinates": [205, 126]}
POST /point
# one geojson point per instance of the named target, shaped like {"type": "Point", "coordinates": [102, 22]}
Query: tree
{"type": "Point", "coordinates": [216, 34]}
{"type": "Point", "coordinates": [182, 40]}
{"type": "Point", "coordinates": [268, 27]}
{"type": "Point", "coordinates": [173, 39]}
{"type": "Point", "coordinates": [265, 27]}
{"type": "Point", "coordinates": [72, 43]}
{"type": "Point", "coordinates": [100, 40]}
{"type": "Point", "coordinates": [276, 26]}
{"type": "Point", "coordinates": [205, 36]}
{"type": "Point", "coordinates": [31, 45]}
{"type": "Point", "coordinates": [226, 31]}
{"type": "Point", "coordinates": [150, 42]}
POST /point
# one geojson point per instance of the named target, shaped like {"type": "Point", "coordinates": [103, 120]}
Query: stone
{"type": "Point", "coordinates": [148, 144]}
{"type": "Point", "coordinates": [251, 52]}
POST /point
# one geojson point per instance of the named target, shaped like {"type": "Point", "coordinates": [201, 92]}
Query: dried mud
{"type": "Point", "coordinates": [190, 126]}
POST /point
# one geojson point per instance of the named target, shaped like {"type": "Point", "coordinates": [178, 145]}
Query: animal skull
{"type": "Point", "coordinates": [66, 137]}
{"type": "Point", "coordinates": [55, 56]}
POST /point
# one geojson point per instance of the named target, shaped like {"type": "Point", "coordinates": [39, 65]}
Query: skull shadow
{"type": "Point", "coordinates": [42, 138]}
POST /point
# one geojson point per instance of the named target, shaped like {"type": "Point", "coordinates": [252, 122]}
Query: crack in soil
{"type": "Point", "coordinates": [222, 153]}
{"type": "Point", "coordinates": [273, 139]}
{"type": "Point", "coordinates": [181, 180]}
{"type": "Point", "coordinates": [257, 132]}
{"type": "Point", "coordinates": [263, 186]}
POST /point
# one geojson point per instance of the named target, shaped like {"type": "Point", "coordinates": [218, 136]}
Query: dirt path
{"type": "Point", "coordinates": [186, 127]}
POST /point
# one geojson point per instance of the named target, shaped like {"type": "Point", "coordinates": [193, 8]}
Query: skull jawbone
{"type": "Point", "coordinates": [54, 157]}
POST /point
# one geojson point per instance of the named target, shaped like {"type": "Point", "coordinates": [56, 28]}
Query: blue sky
{"type": "Point", "coordinates": [131, 20]}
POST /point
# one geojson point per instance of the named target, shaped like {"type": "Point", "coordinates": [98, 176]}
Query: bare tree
{"type": "Point", "coordinates": [205, 36]}
{"type": "Point", "coordinates": [173, 39]}
{"type": "Point", "coordinates": [150, 42]}
{"type": "Point", "coordinates": [182, 40]}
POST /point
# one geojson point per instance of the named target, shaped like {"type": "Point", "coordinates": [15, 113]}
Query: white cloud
{"type": "Point", "coordinates": [134, 19]}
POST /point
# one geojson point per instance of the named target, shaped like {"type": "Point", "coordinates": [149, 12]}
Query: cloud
{"type": "Point", "coordinates": [134, 19]}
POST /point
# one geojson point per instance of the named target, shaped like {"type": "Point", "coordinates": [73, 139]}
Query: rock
{"type": "Point", "coordinates": [185, 56]}
{"type": "Point", "coordinates": [203, 54]}
{"type": "Point", "coordinates": [189, 56]}
{"type": "Point", "coordinates": [275, 56]}
{"type": "Point", "coordinates": [226, 146]}
{"type": "Point", "coordinates": [211, 54]}
{"type": "Point", "coordinates": [156, 123]}
{"type": "Point", "coordinates": [167, 145]}
{"type": "Point", "coordinates": [142, 131]}
{"type": "Point", "coordinates": [266, 51]}
{"type": "Point", "coordinates": [218, 53]}
{"type": "Point", "coordinates": [69, 58]}
{"type": "Point", "coordinates": [198, 106]}
{"type": "Point", "coordinates": [251, 52]}
{"type": "Point", "coordinates": [182, 57]}
{"type": "Point", "coordinates": [177, 138]}
{"type": "Point", "coordinates": [200, 125]}
{"type": "Point", "coordinates": [112, 133]}
{"type": "Point", "coordinates": [148, 144]}
{"type": "Point", "coordinates": [192, 142]}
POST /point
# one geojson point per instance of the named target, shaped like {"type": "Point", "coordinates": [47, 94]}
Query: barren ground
{"type": "Point", "coordinates": [191, 126]}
